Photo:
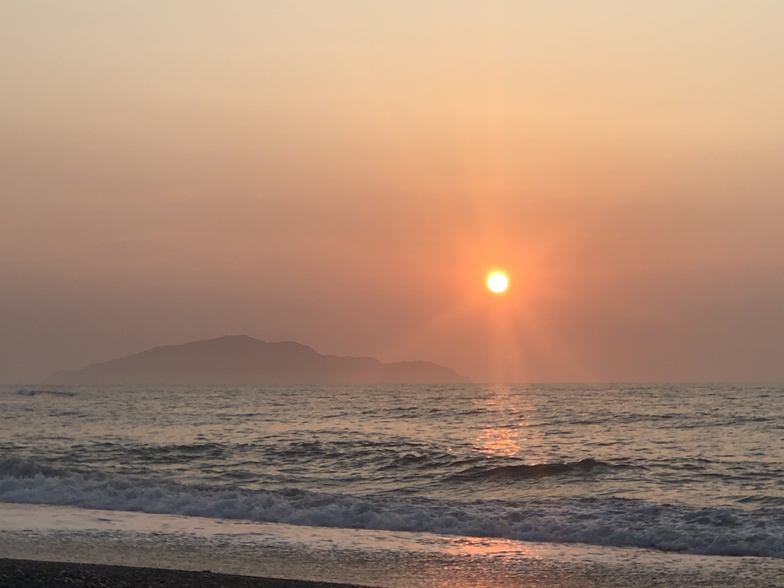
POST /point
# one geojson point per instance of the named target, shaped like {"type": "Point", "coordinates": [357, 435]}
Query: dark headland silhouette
{"type": "Point", "coordinates": [240, 359]}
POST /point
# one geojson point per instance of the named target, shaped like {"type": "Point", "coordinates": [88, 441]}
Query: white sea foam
{"type": "Point", "coordinates": [613, 522]}
{"type": "Point", "coordinates": [372, 558]}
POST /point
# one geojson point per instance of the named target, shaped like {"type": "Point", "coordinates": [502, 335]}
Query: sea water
{"type": "Point", "coordinates": [664, 476]}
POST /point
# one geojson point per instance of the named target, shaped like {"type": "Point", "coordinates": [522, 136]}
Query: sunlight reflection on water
{"type": "Point", "coordinates": [372, 558]}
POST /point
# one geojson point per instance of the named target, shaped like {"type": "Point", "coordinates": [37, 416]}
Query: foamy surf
{"type": "Point", "coordinates": [593, 521]}
{"type": "Point", "coordinates": [373, 558]}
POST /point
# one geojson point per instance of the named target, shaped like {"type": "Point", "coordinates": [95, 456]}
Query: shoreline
{"type": "Point", "coordinates": [43, 546]}
{"type": "Point", "coordinates": [28, 573]}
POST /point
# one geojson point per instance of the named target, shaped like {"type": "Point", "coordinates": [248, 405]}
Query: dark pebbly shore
{"type": "Point", "coordinates": [16, 573]}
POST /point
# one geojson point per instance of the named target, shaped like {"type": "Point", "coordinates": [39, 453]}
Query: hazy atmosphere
{"type": "Point", "coordinates": [346, 174]}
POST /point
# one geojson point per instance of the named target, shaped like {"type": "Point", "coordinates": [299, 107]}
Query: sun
{"type": "Point", "coordinates": [497, 282]}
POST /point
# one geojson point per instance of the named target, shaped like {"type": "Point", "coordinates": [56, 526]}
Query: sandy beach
{"type": "Point", "coordinates": [23, 573]}
{"type": "Point", "coordinates": [43, 574]}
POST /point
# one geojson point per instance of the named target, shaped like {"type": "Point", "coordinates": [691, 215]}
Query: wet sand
{"type": "Point", "coordinates": [122, 549]}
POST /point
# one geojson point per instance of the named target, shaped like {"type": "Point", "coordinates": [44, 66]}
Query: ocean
{"type": "Point", "coordinates": [403, 485]}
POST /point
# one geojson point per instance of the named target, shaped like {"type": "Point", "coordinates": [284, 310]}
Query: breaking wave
{"type": "Point", "coordinates": [609, 522]}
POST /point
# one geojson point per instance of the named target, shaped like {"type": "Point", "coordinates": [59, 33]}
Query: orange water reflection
{"type": "Point", "coordinates": [490, 563]}
{"type": "Point", "coordinates": [507, 434]}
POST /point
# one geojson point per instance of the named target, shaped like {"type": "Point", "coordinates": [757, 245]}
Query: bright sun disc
{"type": "Point", "coordinates": [497, 282]}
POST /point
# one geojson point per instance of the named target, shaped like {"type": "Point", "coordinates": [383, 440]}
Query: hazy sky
{"type": "Point", "coordinates": [345, 173]}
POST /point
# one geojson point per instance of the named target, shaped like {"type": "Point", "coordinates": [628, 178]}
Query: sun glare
{"type": "Point", "coordinates": [497, 282]}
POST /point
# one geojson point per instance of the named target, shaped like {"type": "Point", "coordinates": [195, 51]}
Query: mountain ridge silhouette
{"type": "Point", "coordinates": [240, 359]}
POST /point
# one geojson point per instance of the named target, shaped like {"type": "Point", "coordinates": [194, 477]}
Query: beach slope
{"type": "Point", "coordinates": [21, 573]}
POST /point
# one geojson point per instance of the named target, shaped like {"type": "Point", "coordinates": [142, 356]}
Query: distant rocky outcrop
{"type": "Point", "coordinates": [244, 360]}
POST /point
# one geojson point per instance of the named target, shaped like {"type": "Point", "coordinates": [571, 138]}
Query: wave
{"type": "Point", "coordinates": [540, 470]}
{"type": "Point", "coordinates": [26, 392]}
{"type": "Point", "coordinates": [608, 522]}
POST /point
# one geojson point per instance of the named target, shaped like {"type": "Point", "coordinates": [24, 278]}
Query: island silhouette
{"type": "Point", "coordinates": [239, 359]}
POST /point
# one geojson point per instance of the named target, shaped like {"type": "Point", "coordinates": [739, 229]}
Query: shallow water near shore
{"type": "Point", "coordinates": [368, 558]}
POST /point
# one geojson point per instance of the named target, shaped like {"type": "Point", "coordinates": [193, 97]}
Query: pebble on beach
{"type": "Point", "coordinates": [40, 574]}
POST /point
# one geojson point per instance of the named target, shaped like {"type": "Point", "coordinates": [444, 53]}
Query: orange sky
{"type": "Point", "coordinates": [344, 174]}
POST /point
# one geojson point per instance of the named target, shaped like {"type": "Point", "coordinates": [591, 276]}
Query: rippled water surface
{"type": "Point", "coordinates": [695, 469]}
